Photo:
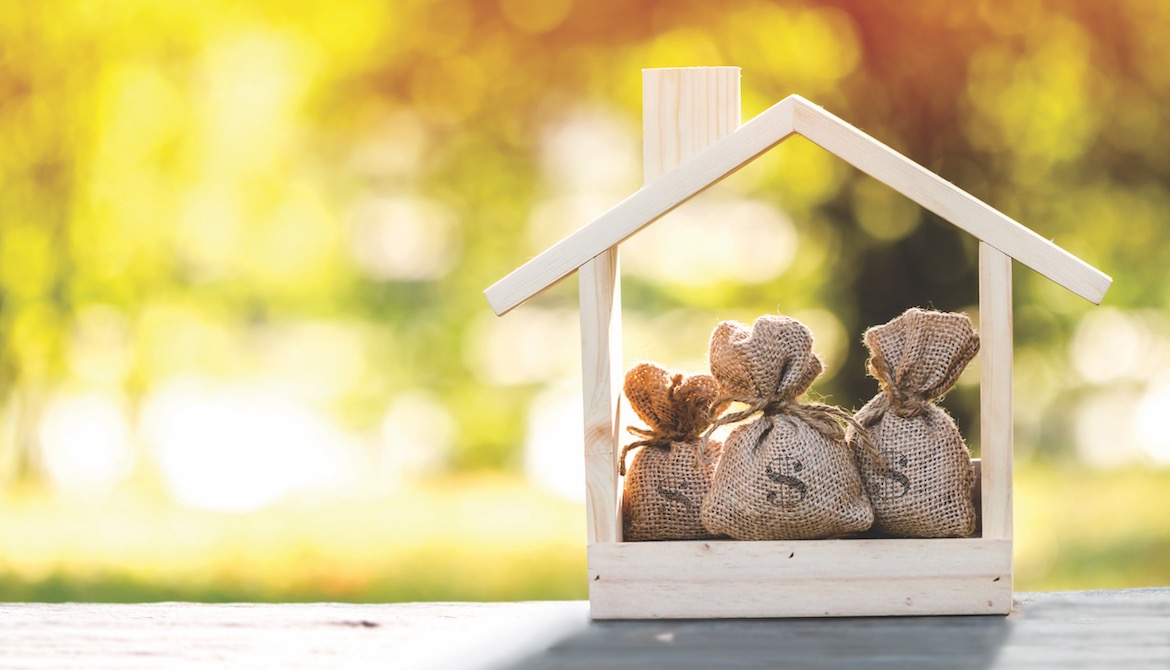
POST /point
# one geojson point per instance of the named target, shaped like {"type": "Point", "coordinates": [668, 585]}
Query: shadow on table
{"type": "Point", "coordinates": [971, 642]}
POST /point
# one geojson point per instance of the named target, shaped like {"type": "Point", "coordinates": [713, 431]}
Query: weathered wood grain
{"type": "Point", "coordinates": [287, 636]}
{"type": "Point", "coordinates": [1092, 629]}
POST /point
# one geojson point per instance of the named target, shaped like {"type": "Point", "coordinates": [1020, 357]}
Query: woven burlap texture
{"type": "Point", "coordinates": [788, 474]}
{"type": "Point", "coordinates": [668, 477]}
{"type": "Point", "coordinates": [923, 488]}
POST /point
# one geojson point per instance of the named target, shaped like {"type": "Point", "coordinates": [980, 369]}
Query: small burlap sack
{"type": "Point", "coordinates": [921, 487]}
{"type": "Point", "coordinates": [788, 474]}
{"type": "Point", "coordinates": [668, 477]}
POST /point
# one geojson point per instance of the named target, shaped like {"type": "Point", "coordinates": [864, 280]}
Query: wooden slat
{"type": "Point", "coordinates": [643, 207]}
{"type": "Point", "coordinates": [995, 390]}
{"type": "Point", "coordinates": [948, 201]}
{"type": "Point", "coordinates": [601, 359]}
{"type": "Point", "coordinates": [799, 579]}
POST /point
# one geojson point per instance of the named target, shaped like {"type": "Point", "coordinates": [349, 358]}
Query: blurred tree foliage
{"type": "Point", "coordinates": [183, 184]}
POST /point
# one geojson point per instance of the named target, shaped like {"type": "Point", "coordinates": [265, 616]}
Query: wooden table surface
{"type": "Point", "coordinates": [1092, 629]}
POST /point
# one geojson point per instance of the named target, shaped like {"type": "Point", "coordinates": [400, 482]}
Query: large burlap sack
{"type": "Point", "coordinates": [788, 474]}
{"type": "Point", "coordinates": [921, 485]}
{"type": "Point", "coordinates": [668, 478]}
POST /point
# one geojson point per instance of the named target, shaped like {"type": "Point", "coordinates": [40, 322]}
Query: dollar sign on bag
{"type": "Point", "coordinates": [775, 472]}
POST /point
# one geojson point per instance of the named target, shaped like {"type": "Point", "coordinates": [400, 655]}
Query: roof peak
{"type": "Point", "coordinates": [796, 115]}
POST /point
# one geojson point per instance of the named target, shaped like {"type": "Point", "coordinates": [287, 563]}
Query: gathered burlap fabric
{"type": "Point", "coordinates": [922, 486]}
{"type": "Point", "coordinates": [789, 473]}
{"type": "Point", "coordinates": [668, 478]}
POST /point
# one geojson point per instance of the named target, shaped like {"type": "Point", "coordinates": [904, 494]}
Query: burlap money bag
{"type": "Point", "coordinates": [923, 486]}
{"type": "Point", "coordinates": [788, 474]}
{"type": "Point", "coordinates": [668, 478]}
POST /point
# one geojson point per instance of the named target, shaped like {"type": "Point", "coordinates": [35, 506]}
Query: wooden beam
{"type": "Point", "coordinates": [792, 115]}
{"type": "Point", "coordinates": [948, 201]}
{"type": "Point", "coordinates": [601, 378]}
{"type": "Point", "coordinates": [644, 207]}
{"type": "Point", "coordinates": [995, 390]}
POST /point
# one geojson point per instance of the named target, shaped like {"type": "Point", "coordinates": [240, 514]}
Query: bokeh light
{"type": "Point", "coordinates": [244, 351]}
{"type": "Point", "coordinates": [241, 448]}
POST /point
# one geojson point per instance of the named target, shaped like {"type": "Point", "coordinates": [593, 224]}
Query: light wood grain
{"type": "Point", "coordinates": [799, 579]}
{"type": "Point", "coordinates": [601, 377]}
{"type": "Point", "coordinates": [1062, 630]}
{"type": "Point", "coordinates": [995, 390]}
{"type": "Point", "coordinates": [948, 201]}
{"type": "Point", "coordinates": [685, 110]}
{"type": "Point", "coordinates": [794, 114]}
{"type": "Point", "coordinates": [642, 208]}
{"type": "Point", "coordinates": [431, 636]}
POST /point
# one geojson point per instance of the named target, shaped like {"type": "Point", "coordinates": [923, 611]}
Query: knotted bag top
{"type": "Point", "coordinates": [772, 360]}
{"type": "Point", "coordinates": [918, 356]}
{"type": "Point", "coordinates": [675, 406]}
{"type": "Point", "coordinates": [767, 367]}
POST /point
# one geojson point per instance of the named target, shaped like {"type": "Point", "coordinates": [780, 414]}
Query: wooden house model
{"type": "Point", "coordinates": [693, 139]}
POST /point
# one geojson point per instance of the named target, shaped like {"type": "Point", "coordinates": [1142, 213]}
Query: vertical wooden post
{"type": "Point", "coordinates": [995, 390]}
{"type": "Point", "coordinates": [599, 291]}
{"type": "Point", "coordinates": [684, 110]}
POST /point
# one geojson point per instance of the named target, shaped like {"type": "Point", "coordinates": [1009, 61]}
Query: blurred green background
{"type": "Point", "coordinates": [244, 353]}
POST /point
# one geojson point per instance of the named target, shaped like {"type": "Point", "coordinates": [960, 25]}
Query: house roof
{"type": "Point", "coordinates": [796, 115]}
